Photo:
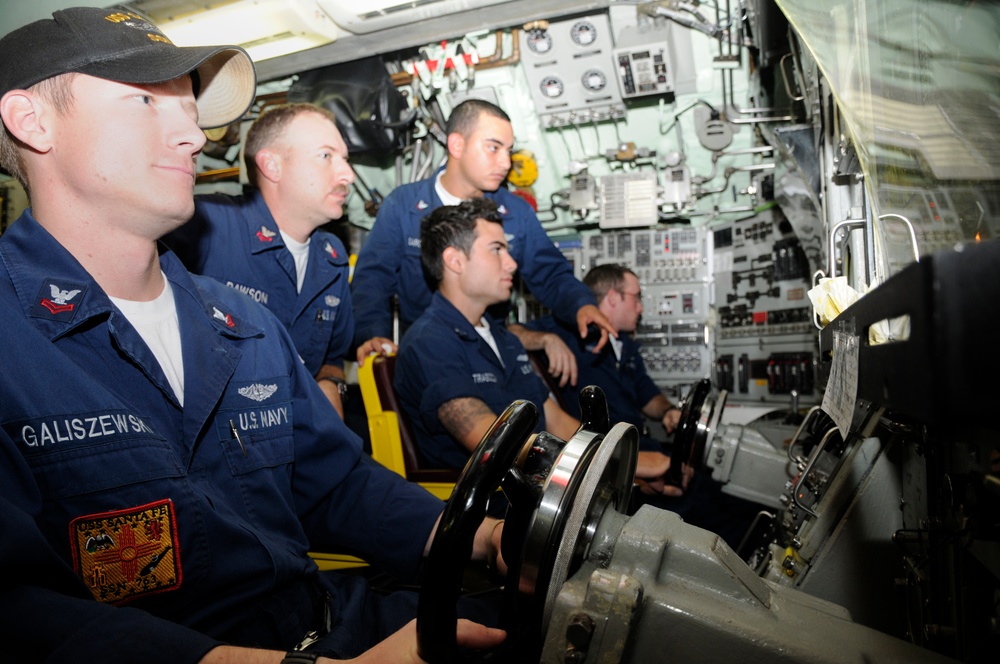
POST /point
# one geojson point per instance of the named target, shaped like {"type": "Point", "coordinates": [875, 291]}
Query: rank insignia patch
{"type": "Point", "coordinates": [265, 234]}
{"type": "Point", "coordinates": [128, 553]}
{"type": "Point", "coordinates": [58, 300]}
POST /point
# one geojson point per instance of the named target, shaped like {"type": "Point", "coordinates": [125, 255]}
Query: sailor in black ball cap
{"type": "Point", "coordinates": [165, 458]}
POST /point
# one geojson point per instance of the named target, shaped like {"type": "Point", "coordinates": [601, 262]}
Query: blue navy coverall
{"type": "Point", "coordinates": [235, 240]}
{"type": "Point", "coordinates": [389, 261]}
{"type": "Point", "coordinates": [441, 358]}
{"type": "Point", "coordinates": [141, 531]}
{"type": "Point", "coordinates": [625, 382]}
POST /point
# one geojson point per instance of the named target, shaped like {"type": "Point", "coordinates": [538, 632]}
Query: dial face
{"type": "Point", "coordinates": [594, 80]}
{"type": "Point", "coordinates": [539, 41]}
{"type": "Point", "coordinates": [551, 87]}
{"type": "Point", "coordinates": [583, 33]}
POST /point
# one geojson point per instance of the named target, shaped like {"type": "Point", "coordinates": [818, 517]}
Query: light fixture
{"type": "Point", "coordinates": [366, 16]}
{"type": "Point", "coordinates": [265, 28]}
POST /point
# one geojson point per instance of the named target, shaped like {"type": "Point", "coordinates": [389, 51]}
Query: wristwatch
{"type": "Point", "coordinates": [299, 657]}
{"type": "Point", "coordinates": [339, 382]}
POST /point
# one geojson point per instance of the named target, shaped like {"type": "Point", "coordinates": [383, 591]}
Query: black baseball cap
{"type": "Point", "coordinates": [120, 45]}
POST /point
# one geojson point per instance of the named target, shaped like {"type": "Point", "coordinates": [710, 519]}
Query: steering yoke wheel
{"type": "Point", "coordinates": [557, 491]}
{"type": "Point", "coordinates": [700, 416]}
{"type": "Point", "coordinates": [452, 546]}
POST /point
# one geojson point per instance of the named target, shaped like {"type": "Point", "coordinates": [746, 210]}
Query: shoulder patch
{"type": "Point", "coordinates": [125, 554]}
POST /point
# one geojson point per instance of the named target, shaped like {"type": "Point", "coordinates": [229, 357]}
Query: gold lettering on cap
{"type": "Point", "coordinates": [118, 17]}
{"type": "Point", "coordinates": [158, 38]}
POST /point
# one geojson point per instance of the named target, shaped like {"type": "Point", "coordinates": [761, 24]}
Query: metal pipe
{"type": "Point", "coordinates": [809, 466]}
{"type": "Point", "coordinates": [909, 228]}
{"type": "Point", "coordinates": [417, 147]}
{"type": "Point", "coordinates": [798, 432]}
{"type": "Point", "coordinates": [515, 54]}
{"type": "Point", "coordinates": [729, 101]}
{"type": "Point", "coordinates": [831, 262]}
{"type": "Point", "coordinates": [757, 150]}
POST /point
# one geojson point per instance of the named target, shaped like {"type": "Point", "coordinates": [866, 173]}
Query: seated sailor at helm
{"type": "Point", "coordinates": [458, 368]}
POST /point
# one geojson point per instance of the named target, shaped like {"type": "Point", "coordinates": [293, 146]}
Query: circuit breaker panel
{"type": "Point", "coordinates": [766, 349]}
{"type": "Point", "coordinates": [673, 270]}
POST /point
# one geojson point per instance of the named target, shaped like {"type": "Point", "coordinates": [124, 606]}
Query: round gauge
{"type": "Point", "coordinates": [539, 41]}
{"type": "Point", "coordinates": [583, 33]}
{"type": "Point", "coordinates": [594, 80]}
{"type": "Point", "coordinates": [551, 87]}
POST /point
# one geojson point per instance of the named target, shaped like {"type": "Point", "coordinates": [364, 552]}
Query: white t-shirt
{"type": "Point", "coordinates": [616, 345]}
{"type": "Point", "coordinates": [487, 334]}
{"type": "Point", "coordinates": [300, 252]}
{"type": "Point", "coordinates": [156, 322]}
{"type": "Point", "coordinates": [446, 198]}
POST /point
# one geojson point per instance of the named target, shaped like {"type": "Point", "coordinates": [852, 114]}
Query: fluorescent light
{"type": "Point", "coordinates": [265, 28]}
{"type": "Point", "coordinates": [367, 16]}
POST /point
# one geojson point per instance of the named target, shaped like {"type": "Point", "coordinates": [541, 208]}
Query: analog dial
{"type": "Point", "coordinates": [594, 80]}
{"type": "Point", "coordinates": [551, 87]}
{"type": "Point", "coordinates": [539, 41]}
{"type": "Point", "coordinates": [583, 33]}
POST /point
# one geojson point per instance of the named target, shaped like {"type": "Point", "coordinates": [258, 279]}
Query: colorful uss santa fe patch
{"type": "Point", "coordinates": [128, 553]}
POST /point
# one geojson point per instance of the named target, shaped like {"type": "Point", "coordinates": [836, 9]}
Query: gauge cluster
{"type": "Point", "coordinates": [569, 66]}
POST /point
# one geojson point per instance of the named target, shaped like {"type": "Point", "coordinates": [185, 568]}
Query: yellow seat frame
{"type": "Point", "coordinates": [329, 561]}
{"type": "Point", "coordinates": [387, 449]}
{"type": "Point", "coordinates": [383, 428]}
